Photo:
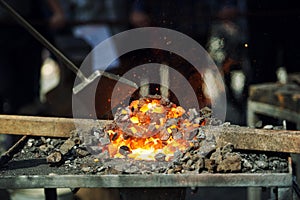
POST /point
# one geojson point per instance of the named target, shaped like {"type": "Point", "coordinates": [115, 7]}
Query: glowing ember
{"type": "Point", "coordinates": [151, 129]}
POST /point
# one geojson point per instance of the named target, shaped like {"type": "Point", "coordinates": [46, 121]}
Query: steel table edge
{"type": "Point", "coordinates": [143, 181]}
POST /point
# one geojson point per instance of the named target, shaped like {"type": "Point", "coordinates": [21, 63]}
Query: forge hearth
{"type": "Point", "coordinates": [223, 167]}
{"type": "Point", "coordinates": [210, 165]}
{"type": "Point", "coordinates": [201, 152]}
{"type": "Point", "coordinates": [70, 156]}
{"type": "Point", "coordinates": [155, 136]}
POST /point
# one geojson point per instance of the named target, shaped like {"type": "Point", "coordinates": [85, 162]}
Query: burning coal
{"type": "Point", "coordinates": [152, 129]}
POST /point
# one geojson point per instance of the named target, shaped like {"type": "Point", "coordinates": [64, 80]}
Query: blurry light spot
{"type": "Point", "coordinates": [246, 45]}
{"type": "Point", "coordinates": [213, 91]}
{"type": "Point", "coordinates": [50, 77]}
{"type": "Point", "coordinates": [237, 80]}
{"type": "Point", "coordinates": [282, 75]}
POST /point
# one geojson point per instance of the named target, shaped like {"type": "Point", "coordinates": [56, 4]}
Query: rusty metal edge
{"type": "Point", "coordinates": [151, 181]}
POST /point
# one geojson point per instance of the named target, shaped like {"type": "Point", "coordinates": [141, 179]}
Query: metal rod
{"type": "Point", "coordinates": [42, 39]}
{"type": "Point", "coordinates": [7, 156]}
{"type": "Point", "coordinates": [64, 59]}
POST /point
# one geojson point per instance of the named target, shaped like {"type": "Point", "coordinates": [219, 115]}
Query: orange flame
{"type": "Point", "coordinates": [145, 148]}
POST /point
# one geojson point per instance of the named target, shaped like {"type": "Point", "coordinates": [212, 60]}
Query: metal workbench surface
{"type": "Point", "coordinates": [154, 180]}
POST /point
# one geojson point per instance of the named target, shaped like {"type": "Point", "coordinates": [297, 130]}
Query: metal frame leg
{"type": "Point", "coordinates": [285, 193]}
{"type": "Point", "coordinates": [252, 117]}
{"type": "Point", "coordinates": [50, 193]}
{"type": "Point", "coordinates": [254, 193]}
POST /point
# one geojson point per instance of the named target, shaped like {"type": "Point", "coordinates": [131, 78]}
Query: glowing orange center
{"type": "Point", "coordinates": [152, 119]}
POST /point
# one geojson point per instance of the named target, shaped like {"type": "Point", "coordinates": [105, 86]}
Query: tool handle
{"type": "Point", "coordinates": [42, 39]}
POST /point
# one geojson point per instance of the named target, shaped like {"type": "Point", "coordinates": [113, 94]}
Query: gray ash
{"type": "Point", "coordinates": [224, 159]}
{"type": "Point", "coordinates": [264, 162]}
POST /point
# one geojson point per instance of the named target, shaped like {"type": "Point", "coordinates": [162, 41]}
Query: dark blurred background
{"type": "Point", "coordinates": [251, 42]}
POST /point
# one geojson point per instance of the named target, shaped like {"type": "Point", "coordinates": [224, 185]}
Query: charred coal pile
{"type": "Point", "coordinates": [151, 135]}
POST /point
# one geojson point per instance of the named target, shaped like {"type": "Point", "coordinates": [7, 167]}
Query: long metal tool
{"type": "Point", "coordinates": [85, 80]}
{"type": "Point", "coordinates": [8, 155]}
